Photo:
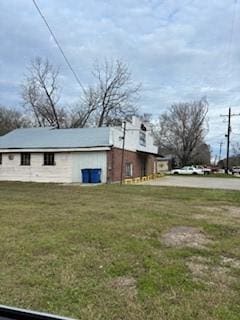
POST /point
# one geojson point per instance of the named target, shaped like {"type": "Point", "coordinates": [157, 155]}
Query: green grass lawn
{"type": "Point", "coordinates": [98, 252]}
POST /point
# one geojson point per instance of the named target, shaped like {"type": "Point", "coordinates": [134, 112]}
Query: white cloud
{"type": "Point", "coordinates": [179, 49]}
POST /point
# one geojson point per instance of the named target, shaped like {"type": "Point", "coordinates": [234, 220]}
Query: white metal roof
{"type": "Point", "coordinates": [41, 138]}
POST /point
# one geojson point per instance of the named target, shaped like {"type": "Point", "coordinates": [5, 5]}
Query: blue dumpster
{"type": "Point", "coordinates": [86, 176]}
{"type": "Point", "coordinates": [95, 175]}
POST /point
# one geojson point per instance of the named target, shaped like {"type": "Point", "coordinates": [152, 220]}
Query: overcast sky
{"type": "Point", "coordinates": [180, 50]}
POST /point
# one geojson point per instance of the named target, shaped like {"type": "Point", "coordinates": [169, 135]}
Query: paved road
{"type": "Point", "coordinates": [197, 182]}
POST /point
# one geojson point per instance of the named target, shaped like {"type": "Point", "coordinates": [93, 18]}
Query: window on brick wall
{"type": "Point", "coordinates": [25, 159]}
{"type": "Point", "coordinates": [128, 169]}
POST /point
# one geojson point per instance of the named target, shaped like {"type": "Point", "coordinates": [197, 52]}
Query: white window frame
{"type": "Point", "coordinates": [128, 169]}
{"type": "Point", "coordinates": [142, 138]}
{"type": "Point", "coordinates": [49, 159]}
{"type": "Point", "coordinates": [25, 159]}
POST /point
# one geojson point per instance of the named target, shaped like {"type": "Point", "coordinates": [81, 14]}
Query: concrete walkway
{"type": "Point", "coordinates": [196, 182]}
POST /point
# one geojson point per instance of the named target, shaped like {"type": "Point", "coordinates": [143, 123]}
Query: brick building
{"type": "Point", "coordinates": [61, 155]}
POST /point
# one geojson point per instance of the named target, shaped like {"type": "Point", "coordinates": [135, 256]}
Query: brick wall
{"type": "Point", "coordinates": [114, 160]}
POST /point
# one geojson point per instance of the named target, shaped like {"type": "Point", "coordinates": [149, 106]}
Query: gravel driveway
{"type": "Point", "coordinates": [196, 182]}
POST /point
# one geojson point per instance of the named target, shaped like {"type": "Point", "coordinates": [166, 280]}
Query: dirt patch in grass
{"type": "Point", "coordinates": [233, 212]}
{"type": "Point", "coordinates": [231, 262]}
{"type": "Point", "coordinates": [200, 216]}
{"type": "Point", "coordinates": [197, 268]}
{"type": "Point", "coordinates": [125, 286]}
{"type": "Point", "coordinates": [218, 275]}
{"type": "Point", "coordinates": [227, 211]}
{"type": "Point", "coordinates": [185, 237]}
{"type": "Point", "coordinates": [224, 215]}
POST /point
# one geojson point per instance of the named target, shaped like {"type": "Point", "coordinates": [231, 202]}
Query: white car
{"type": "Point", "coordinates": [188, 170]}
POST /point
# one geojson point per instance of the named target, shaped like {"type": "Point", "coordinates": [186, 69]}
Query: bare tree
{"type": "Point", "coordinates": [202, 154]}
{"type": "Point", "coordinates": [80, 116]}
{"type": "Point", "coordinates": [11, 119]}
{"type": "Point", "coordinates": [181, 130]}
{"type": "Point", "coordinates": [146, 117]}
{"type": "Point", "coordinates": [236, 149]}
{"type": "Point", "coordinates": [112, 98]}
{"type": "Point", "coordinates": [40, 93]}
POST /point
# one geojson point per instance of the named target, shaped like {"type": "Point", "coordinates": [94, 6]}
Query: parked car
{"type": "Point", "coordinates": [188, 170]}
{"type": "Point", "coordinates": [215, 169]}
{"type": "Point", "coordinates": [235, 170]}
{"type": "Point", "coordinates": [206, 170]}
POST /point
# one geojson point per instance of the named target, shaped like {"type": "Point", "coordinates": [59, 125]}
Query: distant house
{"type": "Point", "coordinates": [70, 155]}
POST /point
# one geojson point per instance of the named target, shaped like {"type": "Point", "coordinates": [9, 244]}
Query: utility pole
{"type": "Point", "coordinates": [230, 115]}
{"type": "Point", "coordinates": [220, 150]}
{"type": "Point", "coordinates": [123, 147]}
{"type": "Point", "coordinates": [228, 139]}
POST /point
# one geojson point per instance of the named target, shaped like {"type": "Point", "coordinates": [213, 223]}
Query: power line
{"type": "Point", "coordinates": [58, 45]}
{"type": "Point", "coordinates": [229, 115]}
{"type": "Point", "coordinates": [229, 49]}
{"type": "Point", "coordinates": [227, 54]}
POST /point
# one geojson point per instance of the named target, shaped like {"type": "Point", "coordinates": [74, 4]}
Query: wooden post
{"type": "Point", "coordinates": [123, 147]}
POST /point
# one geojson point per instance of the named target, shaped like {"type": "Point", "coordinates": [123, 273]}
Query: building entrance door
{"type": "Point", "coordinates": [143, 167]}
